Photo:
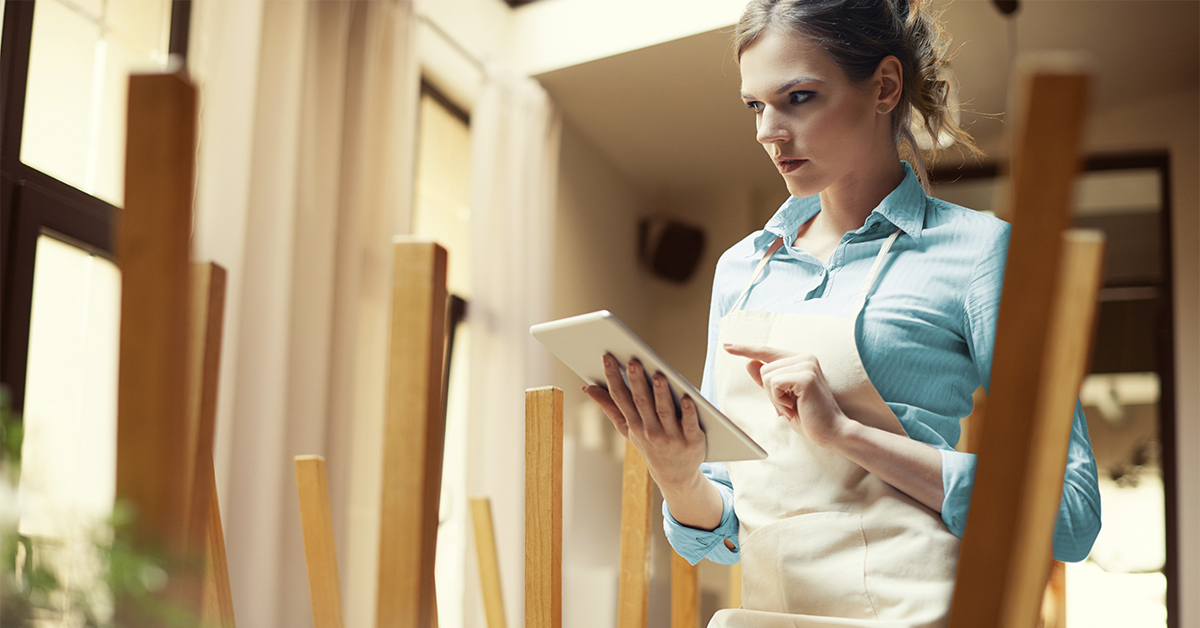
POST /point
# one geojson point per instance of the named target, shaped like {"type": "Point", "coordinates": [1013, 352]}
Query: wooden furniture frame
{"type": "Point", "coordinates": [543, 507]}
{"type": "Point", "coordinates": [1037, 368]}
{"type": "Point", "coordinates": [414, 435]}
{"type": "Point", "coordinates": [155, 442]}
{"type": "Point", "coordinates": [206, 536]}
{"type": "Point", "coordinates": [543, 528]}
{"type": "Point", "coordinates": [320, 551]}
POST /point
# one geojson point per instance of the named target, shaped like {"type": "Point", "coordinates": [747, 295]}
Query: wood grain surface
{"type": "Point", "coordinates": [1004, 556]}
{"type": "Point", "coordinates": [320, 552]}
{"type": "Point", "coordinates": [152, 391]}
{"type": "Point", "coordinates": [415, 431]}
{"type": "Point", "coordinates": [543, 507]}
{"type": "Point", "coordinates": [633, 588]}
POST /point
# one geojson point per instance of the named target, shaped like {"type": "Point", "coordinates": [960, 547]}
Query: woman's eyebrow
{"type": "Point", "coordinates": [796, 81]}
{"type": "Point", "coordinates": [788, 85]}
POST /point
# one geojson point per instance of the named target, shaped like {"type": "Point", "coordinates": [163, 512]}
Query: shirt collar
{"type": "Point", "coordinates": [904, 208]}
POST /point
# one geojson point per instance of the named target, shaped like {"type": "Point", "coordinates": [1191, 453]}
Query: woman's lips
{"type": "Point", "coordinates": [788, 164]}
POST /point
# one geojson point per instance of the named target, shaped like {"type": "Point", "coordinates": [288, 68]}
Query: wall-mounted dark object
{"type": "Point", "coordinates": [1007, 7]}
{"type": "Point", "coordinates": [670, 249]}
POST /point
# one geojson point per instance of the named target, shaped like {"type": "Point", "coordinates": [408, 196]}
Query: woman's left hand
{"type": "Point", "coordinates": [797, 388]}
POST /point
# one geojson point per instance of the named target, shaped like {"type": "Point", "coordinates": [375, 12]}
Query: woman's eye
{"type": "Point", "coordinates": [756, 106]}
{"type": "Point", "coordinates": [798, 97]}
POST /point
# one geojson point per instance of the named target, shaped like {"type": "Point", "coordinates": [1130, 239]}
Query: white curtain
{"type": "Point", "coordinates": [304, 174]}
{"type": "Point", "coordinates": [514, 169]}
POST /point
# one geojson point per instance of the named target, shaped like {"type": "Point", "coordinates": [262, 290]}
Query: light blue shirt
{"type": "Point", "coordinates": [925, 339]}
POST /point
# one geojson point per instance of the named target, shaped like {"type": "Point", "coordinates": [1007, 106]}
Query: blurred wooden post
{"type": "Point", "coordinates": [217, 608]}
{"type": "Point", "coordinates": [208, 308]}
{"type": "Point", "coordinates": [543, 507]}
{"type": "Point", "coordinates": [413, 439]}
{"type": "Point", "coordinates": [1042, 341]}
{"type": "Point", "coordinates": [205, 536]}
{"type": "Point", "coordinates": [489, 564]}
{"type": "Point", "coordinates": [320, 552]}
{"type": "Point", "coordinates": [684, 593]}
{"type": "Point", "coordinates": [633, 590]}
{"type": "Point", "coordinates": [152, 389]}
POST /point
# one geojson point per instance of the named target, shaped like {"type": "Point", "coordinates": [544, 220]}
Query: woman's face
{"type": "Point", "coordinates": [820, 129]}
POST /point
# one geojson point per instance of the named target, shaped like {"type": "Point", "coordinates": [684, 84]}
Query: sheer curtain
{"type": "Point", "coordinates": [304, 174]}
{"type": "Point", "coordinates": [515, 138]}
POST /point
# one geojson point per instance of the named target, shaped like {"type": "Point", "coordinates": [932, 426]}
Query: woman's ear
{"type": "Point", "coordinates": [889, 76]}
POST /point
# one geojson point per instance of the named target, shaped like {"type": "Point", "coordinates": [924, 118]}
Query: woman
{"type": "Point", "coordinates": [846, 338]}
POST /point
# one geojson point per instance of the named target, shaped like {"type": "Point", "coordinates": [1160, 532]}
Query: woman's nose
{"type": "Point", "coordinates": [770, 129]}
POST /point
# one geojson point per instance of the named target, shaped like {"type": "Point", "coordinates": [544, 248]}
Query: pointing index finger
{"type": "Point", "coordinates": [757, 352]}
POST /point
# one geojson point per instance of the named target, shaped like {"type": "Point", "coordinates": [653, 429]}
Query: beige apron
{"type": "Point", "coordinates": [824, 542]}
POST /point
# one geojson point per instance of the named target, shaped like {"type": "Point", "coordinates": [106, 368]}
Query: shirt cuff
{"type": "Point", "coordinates": [694, 544]}
{"type": "Point", "coordinates": [958, 482]}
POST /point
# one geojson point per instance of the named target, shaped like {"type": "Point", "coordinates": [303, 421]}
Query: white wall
{"type": "Point", "coordinates": [595, 268]}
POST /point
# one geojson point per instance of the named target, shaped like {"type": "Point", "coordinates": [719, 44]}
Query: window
{"type": "Point", "coordinates": [63, 72]}
{"type": "Point", "coordinates": [63, 69]}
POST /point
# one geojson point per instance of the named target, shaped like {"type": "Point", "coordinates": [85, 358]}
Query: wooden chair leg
{"type": "Point", "coordinates": [489, 564]}
{"type": "Point", "coordinates": [153, 245]}
{"type": "Point", "coordinates": [543, 507]}
{"type": "Point", "coordinates": [217, 597]}
{"type": "Point", "coordinates": [1036, 371]}
{"type": "Point", "coordinates": [414, 437]}
{"type": "Point", "coordinates": [633, 591]}
{"type": "Point", "coordinates": [205, 535]}
{"type": "Point", "coordinates": [207, 321]}
{"type": "Point", "coordinates": [320, 552]}
{"type": "Point", "coordinates": [684, 593]}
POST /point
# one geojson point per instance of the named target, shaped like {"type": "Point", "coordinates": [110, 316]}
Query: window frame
{"type": "Point", "coordinates": [33, 203]}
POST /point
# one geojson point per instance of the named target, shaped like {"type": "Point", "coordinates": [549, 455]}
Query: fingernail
{"type": "Point", "coordinates": [728, 344]}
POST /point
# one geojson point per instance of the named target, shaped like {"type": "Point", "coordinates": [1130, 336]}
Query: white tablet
{"type": "Point", "coordinates": [581, 342]}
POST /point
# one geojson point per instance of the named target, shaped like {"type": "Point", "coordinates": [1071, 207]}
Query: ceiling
{"type": "Point", "coordinates": [669, 115]}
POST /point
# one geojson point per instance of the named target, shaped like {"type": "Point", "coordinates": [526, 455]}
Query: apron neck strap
{"type": "Point", "coordinates": [758, 271]}
{"type": "Point", "coordinates": [862, 295]}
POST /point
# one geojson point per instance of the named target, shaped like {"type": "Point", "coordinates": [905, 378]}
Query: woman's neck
{"type": "Point", "coordinates": [846, 205]}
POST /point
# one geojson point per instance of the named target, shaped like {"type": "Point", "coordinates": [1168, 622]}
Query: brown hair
{"type": "Point", "coordinates": [857, 35]}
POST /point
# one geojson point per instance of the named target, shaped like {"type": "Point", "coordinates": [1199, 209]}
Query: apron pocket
{"type": "Point", "coordinates": [809, 564]}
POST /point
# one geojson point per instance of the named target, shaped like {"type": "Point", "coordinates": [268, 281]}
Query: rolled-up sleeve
{"type": "Point", "coordinates": [1078, 521]}
{"type": "Point", "coordinates": [694, 544]}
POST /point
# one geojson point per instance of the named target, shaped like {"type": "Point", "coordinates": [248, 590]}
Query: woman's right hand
{"type": "Point", "coordinates": [644, 412]}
